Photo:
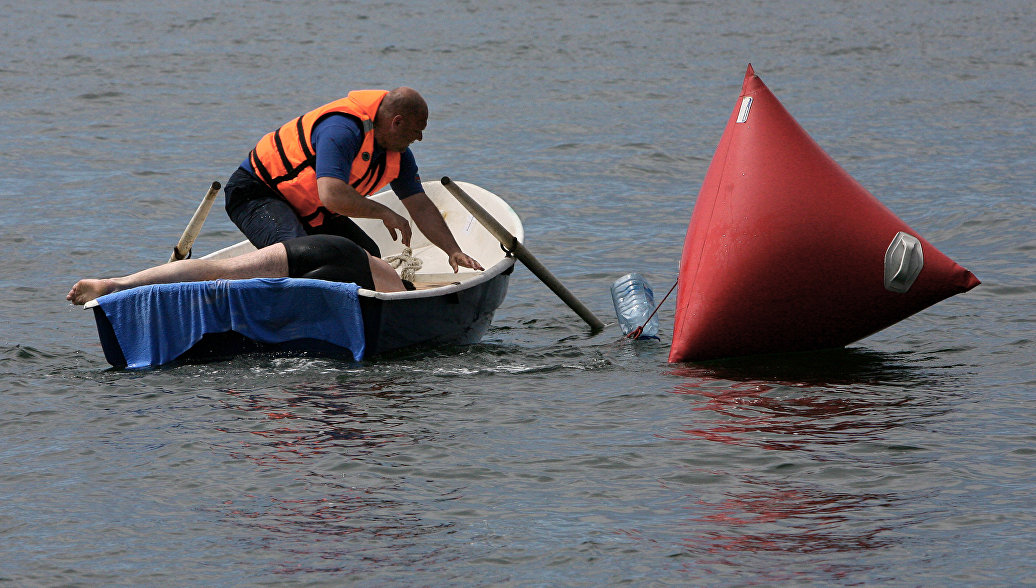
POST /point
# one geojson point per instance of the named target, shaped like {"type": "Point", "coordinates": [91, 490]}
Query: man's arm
{"type": "Point", "coordinates": [428, 219]}
{"type": "Point", "coordinates": [341, 198]}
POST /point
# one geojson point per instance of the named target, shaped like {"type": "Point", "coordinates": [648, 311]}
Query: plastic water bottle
{"type": "Point", "coordinates": [634, 303]}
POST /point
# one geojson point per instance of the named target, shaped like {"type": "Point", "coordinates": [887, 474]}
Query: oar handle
{"type": "Point", "coordinates": [183, 247]}
{"type": "Point", "coordinates": [511, 243]}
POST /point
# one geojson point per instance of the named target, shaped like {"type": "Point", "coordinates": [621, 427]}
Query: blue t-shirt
{"type": "Point", "coordinates": [337, 139]}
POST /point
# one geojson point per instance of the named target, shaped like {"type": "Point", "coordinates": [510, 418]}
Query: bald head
{"type": "Point", "coordinates": [404, 101]}
{"type": "Point", "coordinates": [401, 119]}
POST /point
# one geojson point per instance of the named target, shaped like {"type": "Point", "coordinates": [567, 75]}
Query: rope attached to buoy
{"type": "Point", "coordinates": [635, 333]}
{"type": "Point", "coordinates": [405, 264]}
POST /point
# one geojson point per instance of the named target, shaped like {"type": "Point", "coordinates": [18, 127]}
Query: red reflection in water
{"type": "Point", "coordinates": [794, 414]}
{"type": "Point", "coordinates": [324, 419]}
{"type": "Point", "coordinates": [814, 512]}
{"type": "Point", "coordinates": [328, 522]}
{"type": "Point", "coordinates": [772, 520]}
{"type": "Point", "coordinates": [807, 511]}
{"type": "Point", "coordinates": [753, 415]}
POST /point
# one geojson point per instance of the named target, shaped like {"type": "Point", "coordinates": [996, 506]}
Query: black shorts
{"type": "Point", "coordinates": [328, 257]}
{"type": "Point", "coordinates": [266, 218]}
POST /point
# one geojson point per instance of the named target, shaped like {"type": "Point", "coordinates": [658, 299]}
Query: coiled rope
{"type": "Point", "coordinates": [405, 264]}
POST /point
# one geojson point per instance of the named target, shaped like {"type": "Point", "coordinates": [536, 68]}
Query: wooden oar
{"type": "Point", "coordinates": [511, 243]}
{"type": "Point", "coordinates": [183, 248]}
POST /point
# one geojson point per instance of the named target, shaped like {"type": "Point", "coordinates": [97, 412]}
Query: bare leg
{"type": "Point", "coordinates": [268, 262]}
{"type": "Point", "coordinates": [385, 278]}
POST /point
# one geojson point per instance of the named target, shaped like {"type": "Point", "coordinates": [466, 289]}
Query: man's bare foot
{"type": "Point", "coordinates": [86, 290]}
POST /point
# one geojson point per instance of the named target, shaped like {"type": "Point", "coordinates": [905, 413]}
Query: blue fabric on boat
{"type": "Point", "coordinates": [156, 324]}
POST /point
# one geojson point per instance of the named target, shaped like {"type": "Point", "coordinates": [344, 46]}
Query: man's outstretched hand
{"type": "Point", "coordinates": [463, 259]}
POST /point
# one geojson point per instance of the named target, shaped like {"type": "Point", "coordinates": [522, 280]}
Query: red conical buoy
{"type": "Point", "coordinates": [786, 252]}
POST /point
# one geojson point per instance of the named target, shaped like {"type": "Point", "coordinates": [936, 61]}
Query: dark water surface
{"type": "Point", "coordinates": [545, 455]}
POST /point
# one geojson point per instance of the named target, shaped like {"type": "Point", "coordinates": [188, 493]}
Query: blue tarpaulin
{"type": "Point", "coordinates": [156, 324]}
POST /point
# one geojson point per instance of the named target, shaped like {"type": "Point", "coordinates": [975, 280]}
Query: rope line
{"type": "Point", "coordinates": [405, 263]}
{"type": "Point", "coordinates": [640, 330]}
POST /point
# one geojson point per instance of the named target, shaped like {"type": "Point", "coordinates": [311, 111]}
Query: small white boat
{"type": "Point", "coordinates": [446, 308]}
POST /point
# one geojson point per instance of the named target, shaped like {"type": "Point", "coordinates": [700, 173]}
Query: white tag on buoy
{"type": "Point", "coordinates": [746, 105]}
{"type": "Point", "coordinates": [904, 260]}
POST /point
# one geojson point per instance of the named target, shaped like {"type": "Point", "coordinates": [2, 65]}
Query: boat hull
{"type": "Point", "coordinates": [458, 318]}
{"type": "Point", "coordinates": [447, 308]}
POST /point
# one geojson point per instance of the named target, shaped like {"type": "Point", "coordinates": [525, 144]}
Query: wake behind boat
{"type": "Point", "coordinates": [154, 325]}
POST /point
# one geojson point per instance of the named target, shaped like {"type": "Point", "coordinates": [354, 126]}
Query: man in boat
{"type": "Point", "coordinates": [315, 172]}
{"type": "Point", "coordinates": [322, 257]}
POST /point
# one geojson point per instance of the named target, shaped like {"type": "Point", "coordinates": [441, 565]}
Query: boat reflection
{"type": "Point", "coordinates": [308, 420]}
{"type": "Point", "coordinates": [324, 455]}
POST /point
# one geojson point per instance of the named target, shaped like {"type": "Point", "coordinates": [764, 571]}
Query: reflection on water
{"type": "Point", "coordinates": [336, 444]}
{"type": "Point", "coordinates": [800, 401]}
{"type": "Point", "coordinates": [814, 368]}
{"type": "Point", "coordinates": [347, 531]}
{"type": "Point", "coordinates": [307, 421]}
{"type": "Point", "coordinates": [778, 517]}
{"type": "Point", "coordinates": [823, 440]}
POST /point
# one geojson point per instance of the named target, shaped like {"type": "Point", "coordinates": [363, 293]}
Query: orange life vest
{"type": "Point", "coordinates": [286, 161]}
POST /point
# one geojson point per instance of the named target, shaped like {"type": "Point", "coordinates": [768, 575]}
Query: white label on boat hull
{"type": "Point", "coordinates": [746, 105]}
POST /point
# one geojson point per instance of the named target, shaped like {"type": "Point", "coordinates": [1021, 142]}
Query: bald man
{"type": "Point", "coordinates": [315, 172]}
